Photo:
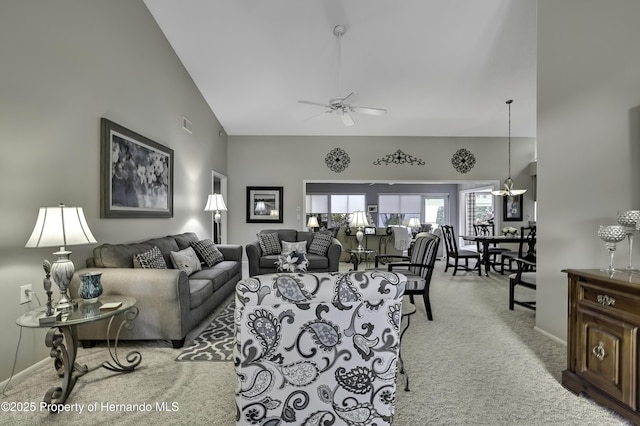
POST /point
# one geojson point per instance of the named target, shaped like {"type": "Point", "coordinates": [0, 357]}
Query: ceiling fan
{"type": "Point", "coordinates": [340, 105]}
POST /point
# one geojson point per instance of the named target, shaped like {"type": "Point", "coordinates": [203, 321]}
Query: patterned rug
{"type": "Point", "coordinates": [215, 343]}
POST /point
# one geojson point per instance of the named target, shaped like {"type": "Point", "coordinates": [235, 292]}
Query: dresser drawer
{"type": "Point", "coordinates": [608, 300]}
{"type": "Point", "coordinates": [606, 354]}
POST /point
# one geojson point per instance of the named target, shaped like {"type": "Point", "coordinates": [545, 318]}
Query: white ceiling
{"type": "Point", "coordinates": [440, 67]}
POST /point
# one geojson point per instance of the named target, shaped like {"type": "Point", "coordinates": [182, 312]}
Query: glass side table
{"type": "Point", "coordinates": [357, 255]}
{"type": "Point", "coordinates": [62, 338]}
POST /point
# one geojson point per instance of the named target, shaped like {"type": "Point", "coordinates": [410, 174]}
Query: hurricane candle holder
{"type": "Point", "coordinates": [629, 219]}
{"type": "Point", "coordinates": [611, 235]}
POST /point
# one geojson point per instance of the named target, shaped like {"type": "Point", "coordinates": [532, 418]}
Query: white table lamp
{"type": "Point", "coordinates": [61, 226]}
{"type": "Point", "coordinates": [414, 224]}
{"type": "Point", "coordinates": [312, 223]}
{"type": "Point", "coordinates": [215, 203]}
{"type": "Point", "coordinates": [359, 220]}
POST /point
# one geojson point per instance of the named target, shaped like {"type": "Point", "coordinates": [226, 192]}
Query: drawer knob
{"type": "Point", "coordinates": [605, 300]}
{"type": "Point", "coordinates": [598, 351]}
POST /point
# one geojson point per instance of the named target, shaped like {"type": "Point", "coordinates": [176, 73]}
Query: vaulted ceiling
{"type": "Point", "coordinates": [439, 67]}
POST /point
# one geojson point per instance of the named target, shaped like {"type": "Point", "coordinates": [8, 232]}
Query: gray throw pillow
{"type": "Point", "coordinates": [187, 260]}
{"type": "Point", "coordinates": [269, 243]}
{"type": "Point", "coordinates": [151, 259]}
{"type": "Point", "coordinates": [207, 252]}
{"type": "Point", "coordinates": [320, 244]}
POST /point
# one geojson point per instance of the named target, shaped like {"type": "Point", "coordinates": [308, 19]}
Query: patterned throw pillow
{"type": "Point", "coordinates": [320, 244]}
{"type": "Point", "coordinates": [187, 260]}
{"type": "Point", "coordinates": [288, 247]}
{"type": "Point", "coordinates": [207, 252]}
{"type": "Point", "coordinates": [269, 243]}
{"type": "Point", "coordinates": [292, 262]}
{"type": "Point", "coordinates": [151, 259]}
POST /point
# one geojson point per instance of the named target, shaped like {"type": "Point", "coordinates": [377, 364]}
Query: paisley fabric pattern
{"type": "Point", "coordinates": [318, 348]}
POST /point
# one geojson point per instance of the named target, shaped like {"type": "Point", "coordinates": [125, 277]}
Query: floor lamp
{"type": "Point", "coordinates": [215, 203]}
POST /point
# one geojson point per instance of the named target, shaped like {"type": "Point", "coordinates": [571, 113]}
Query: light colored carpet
{"type": "Point", "coordinates": [477, 363]}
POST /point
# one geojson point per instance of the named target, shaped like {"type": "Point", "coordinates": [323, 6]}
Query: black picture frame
{"type": "Point", "coordinates": [372, 208]}
{"type": "Point", "coordinates": [136, 174]}
{"type": "Point", "coordinates": [270, 211]}
{"type": "Point", "coordinates": [512, 208]}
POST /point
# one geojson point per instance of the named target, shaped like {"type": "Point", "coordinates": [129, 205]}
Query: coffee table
{"type": "Point", "coordinates": [62, 338]}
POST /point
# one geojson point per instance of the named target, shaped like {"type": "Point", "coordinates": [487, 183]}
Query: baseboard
{"type": "Point", "coordinates": [550, 336]}
{"type": "Point", "coordinates": [24, 374]}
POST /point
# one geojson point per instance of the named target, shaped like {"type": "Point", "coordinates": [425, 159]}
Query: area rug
{"type": "Point", "coordinates": [215, 342]}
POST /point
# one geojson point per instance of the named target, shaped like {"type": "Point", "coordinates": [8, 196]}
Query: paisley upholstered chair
{"type": "Point", "coordinates": [318, 348]}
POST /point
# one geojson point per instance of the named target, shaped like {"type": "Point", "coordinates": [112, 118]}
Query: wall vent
{"type": "Point", "coordinates": [186, 124]}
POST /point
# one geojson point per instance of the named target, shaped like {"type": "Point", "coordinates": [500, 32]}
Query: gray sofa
{"type": "Point", "coordinates": [170, 303]}
{"type": "Point", "coordinates": [266, 264]}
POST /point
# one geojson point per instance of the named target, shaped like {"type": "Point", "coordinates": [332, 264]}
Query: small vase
{"type": "Point", "coordinates": [90, 286]}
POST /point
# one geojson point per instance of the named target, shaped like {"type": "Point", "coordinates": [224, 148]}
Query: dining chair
{"type": "Point", "coordinates": [525, 276]}
{"type": "Point", "coordinates": [527, 244]}
{"type": "Point", "coordinates": [486, 230]}
{"type": "Point", "coordinates": [453, 253]}
{"type": "Point", "coordinates": [417, 268]}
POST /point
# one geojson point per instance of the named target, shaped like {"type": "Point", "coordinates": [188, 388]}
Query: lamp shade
{"type": "Point", "coordinates": [359, 218]}
{"type": "Point", "coordinates": [312, 222]}
{"type": "Point", "coordinates": [215, 202]}
{"type": "Point", "coordinates": [414, 222]}
{"type": "Point", "coordinates": [60, 226]}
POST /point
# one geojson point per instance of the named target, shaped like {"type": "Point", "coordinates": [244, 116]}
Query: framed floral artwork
{"type": "Point", "coordinates": [512, 208]}
{"type": "Point", "coordinates": [136, 174]}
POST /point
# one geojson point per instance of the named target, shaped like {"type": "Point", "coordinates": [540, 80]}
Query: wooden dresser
{"type": "Point", "coordinates": [602, 341]}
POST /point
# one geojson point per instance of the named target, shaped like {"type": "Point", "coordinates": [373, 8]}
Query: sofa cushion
{"type": "Point", "coordinates": [299, 246]}
{"type": "Point", "coordinates": [166, 246]}
{"type": "Point", "coordinates": [151, 259]}
{"type": "Point", "coordinates": [269, 243]}
{"type": "Point", "coordinates": [207, 252]}
{"type": "Point", "coordinates": [184, 240]}
{"type": "Point", "coordinates": [199, 291]}
{"type": "Point", "coordinates": [218, 275]}
{"type": "Point", "coordinates": [117, 255]}
{"type": "Point", "coordinates": [186, 259]}
{"type": "Point", "coordinates": [317, 262]}
{"type": "Point", "coordinates": [320, 244]}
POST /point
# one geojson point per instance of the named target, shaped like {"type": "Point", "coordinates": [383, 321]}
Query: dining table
{"type": "Point", "coordinates": [487, 240]}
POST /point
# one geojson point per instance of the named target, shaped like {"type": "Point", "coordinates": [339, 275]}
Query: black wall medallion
{"type": "Point", "coordinates": [398, 157]}
{"type": "Point", "coordinates": [337, 160]}
{"type": "Point", "coordinates": [463, 160]}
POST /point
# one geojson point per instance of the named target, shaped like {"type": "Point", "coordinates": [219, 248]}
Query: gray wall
{"type": "Point", "coordinates": [65, 64]}
{"type": "Point", "coordinates": [288, 161]}
{"type": "Point", "coordinates": [588, 139]}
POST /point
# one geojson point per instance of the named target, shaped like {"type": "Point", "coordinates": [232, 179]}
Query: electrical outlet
{"type": "Point", "coordinates": [25, 294]}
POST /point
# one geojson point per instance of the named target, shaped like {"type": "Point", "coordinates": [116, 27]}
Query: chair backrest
{"type": "Point", "coordinates": [527, 247]}
{"type": "Point", "coordinates": [425, 251]}
{"type": "Point", "coordinates": [483, 230]}
{"type": "Point", "coordinates": [450, 243]}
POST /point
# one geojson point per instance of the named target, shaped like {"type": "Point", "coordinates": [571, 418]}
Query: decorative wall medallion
{"type": "Point", "coordinates": [337, 160]}
{"type": "Point", "coordinates": [398, 157]}
{"type": "Point", "coordinates": [463, 160]}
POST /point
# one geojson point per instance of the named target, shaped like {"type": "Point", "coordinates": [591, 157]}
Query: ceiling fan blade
{"type": "Point", "coordinates": [317, 115]}
{"type": "Point", "coordinates": [344, 100]}
{"type": "Point", "coordinates": [367, 110]}
{"type": "Point", "coordinates": [314, 103]}
{"type": "Point", "coordinates": [346, 118]}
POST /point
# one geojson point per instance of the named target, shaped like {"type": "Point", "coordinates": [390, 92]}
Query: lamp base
{"type": "Point", "coordinates": [359, 236]}
{"type": "Point", "coordinates": [62, 272]}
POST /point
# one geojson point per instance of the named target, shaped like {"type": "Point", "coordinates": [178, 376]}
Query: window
{"type": "Point", "coordinates": [476, 206]}
{"type": "Point", "coordinates": [436, 210]}
{"type": "Point", "coordinates": [396, 209]}
{"type": "Point", "coordinates": [333, 209]}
